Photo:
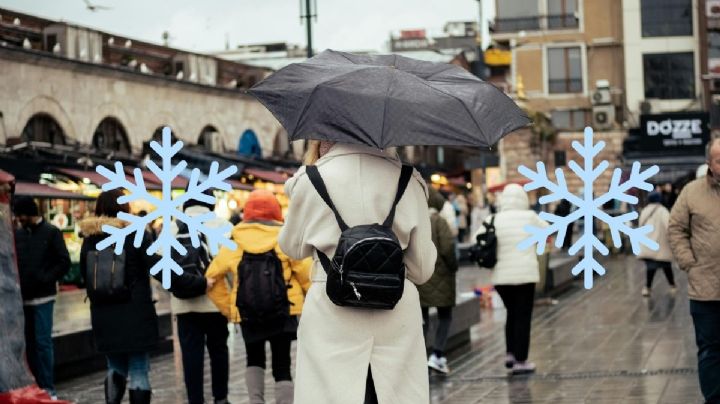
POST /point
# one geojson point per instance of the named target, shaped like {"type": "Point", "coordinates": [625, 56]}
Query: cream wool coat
{"type": "Point", "coordinates": [336, 344]}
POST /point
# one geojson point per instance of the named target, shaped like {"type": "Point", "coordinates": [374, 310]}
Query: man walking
{"type": "Point", "coordinates": [694, 233]}
{"type": "Point", "coordinates": [43, 259]}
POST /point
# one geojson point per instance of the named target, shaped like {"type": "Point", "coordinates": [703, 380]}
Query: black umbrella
{"type": "Point", "coordinates": [387, 100]}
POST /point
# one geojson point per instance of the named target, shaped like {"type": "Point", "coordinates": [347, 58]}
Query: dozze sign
{"type": "Point", "coordinates": [672, 130]}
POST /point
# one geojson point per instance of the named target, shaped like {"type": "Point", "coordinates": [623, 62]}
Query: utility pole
{"type": "Point", "coordinates": [308, 12]}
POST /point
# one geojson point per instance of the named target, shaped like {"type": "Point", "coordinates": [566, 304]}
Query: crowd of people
{"type": "Point", "coordinates": [280, 270]}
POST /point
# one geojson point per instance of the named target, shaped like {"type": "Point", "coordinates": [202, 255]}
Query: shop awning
{"type": "Point", "coordinates": [239, 185]}
{"type": "Point", "coordinates": [6, 177]}
{"type": "Point", "coordinates": [153, 182]}
{"type": "Point", "coordinates": [672, 168]}
{"type": "Point", "coordinates": [266, 175]}
{"type": "Point", "coordinates": [46, 192]}
{"type": "Point", "coordinates": [499, 187]}
{"type": "Point", "coordinates": [81, 175]}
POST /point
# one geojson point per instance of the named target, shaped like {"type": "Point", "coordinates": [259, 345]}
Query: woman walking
{"type": "Point", "coordinates": [124, 322]}
{"type": "Point", "coordinates": [657, 216]}
{"type": "Point", "coordinates": [516, 274]}
{"type": "Point", "coordinates": [439, 291]}
{"type": "Point", "coordinates": [258, 254]}
{"type": "Point", "coordinates": [347, 354]}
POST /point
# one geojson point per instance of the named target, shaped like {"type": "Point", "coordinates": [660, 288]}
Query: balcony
{"type": "Point", "coordinates": [535, 23]}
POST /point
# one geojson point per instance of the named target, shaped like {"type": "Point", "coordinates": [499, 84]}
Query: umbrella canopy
{"type": "Point", "coordinates": [387, 100]}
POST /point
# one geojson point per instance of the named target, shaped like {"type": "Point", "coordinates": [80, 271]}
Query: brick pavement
{"type": "Point", "coordinates": [606, 345]}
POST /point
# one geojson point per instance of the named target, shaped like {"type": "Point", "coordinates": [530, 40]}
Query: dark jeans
{"type": "Point", "coordinates": [135, 365]}
{"type": "Point", "coordinates": [280, 348]}
{"type": "Point", "coordinates": [518, 300]}
{"type": "Point", "coordinates": [706, 317]}
{"type": "Point", "coordinates": [652, 266]}
{"type": "Point", "coordinates": [370, 394]}
{"type": "Point", "coordinates": [444, 315]}
{"type": "Point", "coordinates": [196, 331]}
{"type": "Point", "coordinates": [39, 344]}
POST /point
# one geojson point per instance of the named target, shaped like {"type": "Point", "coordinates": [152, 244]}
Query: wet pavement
{"type": "Point", "coordinates": [605, 345]}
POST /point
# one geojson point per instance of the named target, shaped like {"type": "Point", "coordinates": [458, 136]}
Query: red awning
{"type": "Point", "coordinates": [239, 185]}
{"type": "Point", "coordinates": [92, 176]}
{"type": "Point", "coordinates": [153, 182]}
{"type": "Point", "coordinates": [499, 187]}
{"type": "Point", "coordinates": [266, 175]}
{"type": "Point", "coordinates": [45, 191]}
{"type": "Point", "coordinates": [6, 176]}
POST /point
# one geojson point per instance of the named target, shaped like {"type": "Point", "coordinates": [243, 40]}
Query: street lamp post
{"type": "Point", "coordinates": [308, 12]}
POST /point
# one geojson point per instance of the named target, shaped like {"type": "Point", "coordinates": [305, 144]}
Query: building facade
{"type": "Point", "coordinates": [64, 84]}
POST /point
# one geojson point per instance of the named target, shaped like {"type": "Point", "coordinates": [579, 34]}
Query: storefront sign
{"type": "Point", "coordinates": [674, 130]}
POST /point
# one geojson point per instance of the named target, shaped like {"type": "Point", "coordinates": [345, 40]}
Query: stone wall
{"type": "Point", "coordinates": [79, 95]}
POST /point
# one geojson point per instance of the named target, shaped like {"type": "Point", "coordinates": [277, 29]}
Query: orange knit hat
{"type": "Point", "coordinates": [262, 205]}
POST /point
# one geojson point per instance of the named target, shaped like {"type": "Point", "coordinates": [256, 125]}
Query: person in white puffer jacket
{"type": "Point", "coordinates": [516, 273]}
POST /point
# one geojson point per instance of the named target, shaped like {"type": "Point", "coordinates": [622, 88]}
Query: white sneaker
{"type": "Point", "coordinates": [521, 368]}
{"type": "Point", "coordinates": [645, 291]}
{"type": "Point", "coordinates": [439, 364]}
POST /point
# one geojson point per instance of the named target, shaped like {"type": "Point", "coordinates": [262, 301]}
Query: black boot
{"type": "Point", "coordinates": [114, 388]}
{"type": "Point", "coordinates": [140, 396]}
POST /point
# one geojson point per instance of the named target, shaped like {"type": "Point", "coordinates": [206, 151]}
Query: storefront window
{"type": "Point", "coordinates": [666, 18]}
{"type": "Point", "coordinates": [565, 73]}
{"type": "Point", "coordinates": [669, 75]}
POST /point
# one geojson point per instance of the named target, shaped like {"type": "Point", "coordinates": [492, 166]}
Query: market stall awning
{"type": "Point", "coordinates": [45, 191]}
{"type": "Point", "coordinates": [266, 175]}
{"type": "Point", "coordinates": [83, 175]}
{"type": "Point", "coordinates": [499, 187]}
{"type": "Point", "coordinates": [237, 185]}
{"type": "Point", "coordinates": [6, 177]}
{"type": "Point", "coordinates": [153, 182]}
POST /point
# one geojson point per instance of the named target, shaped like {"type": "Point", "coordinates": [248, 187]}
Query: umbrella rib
{"type": "Point", "coordinates": [457, 99]}
{"type": "Point", "coordinates": [385, 104]}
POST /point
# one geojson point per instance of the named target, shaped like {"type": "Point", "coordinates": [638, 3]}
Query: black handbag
{"type": "Point", "coordinates": [484, 251]}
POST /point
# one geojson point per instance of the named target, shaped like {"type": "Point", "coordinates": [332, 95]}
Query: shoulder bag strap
{"type": "Point", "coordinates": [648, 217]}
{"type": "Point", "coordinates": [405, 174]}
{"type": "Point", "coordinates": [316, 179]}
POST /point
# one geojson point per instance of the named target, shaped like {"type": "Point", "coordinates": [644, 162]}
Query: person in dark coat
{"type": "Point", "coordinates": [439, 291]}
{"type": "Point", "coordinates": [124, 331]}
{"type": "Point", "coordinates": [563, 209]}
{"type": "Point", "coordinates": [43, 260]}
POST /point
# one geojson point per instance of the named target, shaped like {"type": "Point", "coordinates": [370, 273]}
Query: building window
{"type": "Point", "coordinates": [666, 18]}
{"type": "Point", "coordinates": [43, 128]}
{"type": "Point", "coordinates": [110, 135]}
{"type": "Point", "coordinates": [669, 75]}
{"type": "Point", "coordinates": [561, 14]}
{"type": "Point", "coordinates": [569, 119]}
{"type": "Point", "coordinates": [560, 158]}
{"type": "Point", "coordinates": [564, 70]}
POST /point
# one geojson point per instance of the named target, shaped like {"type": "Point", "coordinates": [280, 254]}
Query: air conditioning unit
{"type": "Point", "coordinates": [603, 117]}
{"type": "Point", "coordinates": [601, 95]}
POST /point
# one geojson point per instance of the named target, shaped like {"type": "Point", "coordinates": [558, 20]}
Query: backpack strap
{"type": "Point", "coordinates": [405, 174]}
{"type": "Point", "coordinates": [317, 181]}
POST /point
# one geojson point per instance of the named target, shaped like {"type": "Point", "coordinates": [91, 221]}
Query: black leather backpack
{"type": "Point", "coordinates": [367, 269]}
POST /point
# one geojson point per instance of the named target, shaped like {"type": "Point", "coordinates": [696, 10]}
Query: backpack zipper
{"type": "Point", "coordinates": [352, 247]}
{"type": "Point", "coordinates": [357, 294]}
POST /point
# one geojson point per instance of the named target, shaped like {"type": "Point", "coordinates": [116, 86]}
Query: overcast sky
{"type": "Point", "coordinates": [203, 26]}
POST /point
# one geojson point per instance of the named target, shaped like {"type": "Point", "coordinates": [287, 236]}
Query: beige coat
{"type": "Point", "coordinates": [695, 237]}
{"type": "Point", "coordinates": [657, 216]}
{"type": "Point", "coordinates": [336, 344]}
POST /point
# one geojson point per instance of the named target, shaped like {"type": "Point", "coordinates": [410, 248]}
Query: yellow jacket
{"type": "Point", "coordinates": [255, 237]}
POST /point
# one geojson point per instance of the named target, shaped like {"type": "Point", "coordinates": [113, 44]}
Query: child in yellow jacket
{"type": "Point", "coordinates": [256, 234]}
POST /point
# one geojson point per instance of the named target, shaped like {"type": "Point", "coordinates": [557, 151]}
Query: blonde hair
{"type": "Point", "coordinates": [312, 154]}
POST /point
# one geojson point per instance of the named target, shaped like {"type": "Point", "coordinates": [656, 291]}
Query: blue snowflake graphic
{"type": "Point", "coordinates": [166, 207]}
{"type": "Point", "coordinates": [589, 207]}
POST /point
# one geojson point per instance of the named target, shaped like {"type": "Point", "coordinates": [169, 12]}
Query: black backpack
{"type": "Point", "coordinates": [194, 264]}
{"type": "Point", "coordinates": [367, 269]}
{"type": "Point", "coordinates": [105, 277]}
{"type": "Point", "coordinates": [262, 294]}
{"type": "Point", "coordinates": [484, 251]}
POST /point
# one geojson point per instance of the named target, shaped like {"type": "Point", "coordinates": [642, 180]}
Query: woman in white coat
{"type": "Point", "coordinates": [516, 273]}
{"type": "Point", "coordinates": [657, 216]}
{"type": "Point", "coordinates": [337, 346]}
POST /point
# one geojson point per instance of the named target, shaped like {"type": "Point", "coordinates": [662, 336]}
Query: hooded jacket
{"type": "Point", "coordinates": [130, 326]}
{"type": "Point", "coordinates": [657, 216]}
{"type": "Point", "coordinates": [440, 290]}
{"type": "Point", "coordinates": [514, 266]}
{"type": "Point", "coordinates": [695, 237]}
{"type": "Point", "coordinates": [255, 238]}
{"type": "Point", "coordinates": [43, 259]}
